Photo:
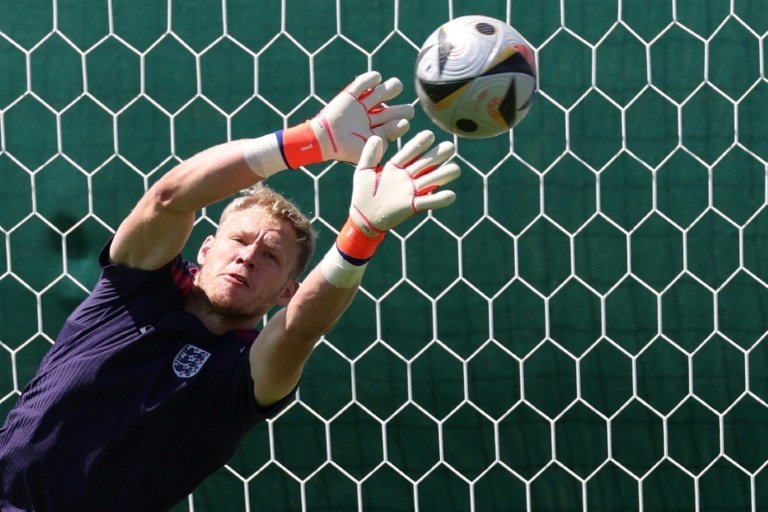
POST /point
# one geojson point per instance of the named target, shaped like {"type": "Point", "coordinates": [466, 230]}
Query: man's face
{"type": "Point", "coordinates": [246, 267]}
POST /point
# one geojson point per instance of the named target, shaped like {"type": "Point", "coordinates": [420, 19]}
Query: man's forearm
{"type": "Point", "coordinates": [317, 306]}
{"type": "Point", "coordinates": [207, 177]}
{"type": "Point", "coordinates": [287, 340]}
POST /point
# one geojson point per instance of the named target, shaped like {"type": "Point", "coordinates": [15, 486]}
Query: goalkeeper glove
{"type": "Point", "coordinates": [339, 131]}
{"type": "Point", "coordinates": [382, 198]}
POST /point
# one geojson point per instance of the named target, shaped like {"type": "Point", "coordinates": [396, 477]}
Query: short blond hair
{"type": "Point", "coordinates": [279, 207]}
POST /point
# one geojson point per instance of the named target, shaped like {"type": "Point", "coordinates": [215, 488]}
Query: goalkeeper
{"type": "Point", "coordinates": [158, 375]}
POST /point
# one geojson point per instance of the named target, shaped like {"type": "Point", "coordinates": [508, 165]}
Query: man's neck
{"type": "Point", "coordinates": [217, 323]}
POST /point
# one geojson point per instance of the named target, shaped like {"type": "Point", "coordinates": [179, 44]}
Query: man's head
{"type": "Point", "coordinates": [261, 247]}
{"type": "Point", "coordinates": [261, 196]}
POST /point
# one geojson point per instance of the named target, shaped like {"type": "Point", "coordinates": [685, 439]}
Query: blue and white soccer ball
{"type": "Point", "coordinates": [476, 76]}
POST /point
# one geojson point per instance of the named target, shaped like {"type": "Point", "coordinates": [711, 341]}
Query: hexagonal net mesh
{"type": "Point", "coordinates": [584, 330]}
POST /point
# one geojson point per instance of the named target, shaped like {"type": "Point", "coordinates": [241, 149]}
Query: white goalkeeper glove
{"type": "Point", "coordinates": [357, 113]}
{"type": "Point", "coordinates": [384, 197]}
{"type": "Point", "coordinates": [339, 131]}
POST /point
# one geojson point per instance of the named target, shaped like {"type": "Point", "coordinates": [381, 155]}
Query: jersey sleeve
{"type": "Point", "coordinates": [120, 286]}
{"type": "Point", "coordinates": [126, 280]}
{"type": "Point", "coordinates": [122, 301]}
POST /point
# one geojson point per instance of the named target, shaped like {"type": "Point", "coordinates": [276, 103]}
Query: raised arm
{"type": "Point", "coordinates": [382, 198]}
{"type": "Point", "coordinates": [160, 224]}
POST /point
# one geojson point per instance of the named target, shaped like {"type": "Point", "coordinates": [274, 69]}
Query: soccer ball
{"type": "Point", "coordinates": [475, 77]}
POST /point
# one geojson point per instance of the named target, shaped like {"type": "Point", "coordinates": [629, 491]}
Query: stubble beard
{"type": "Point", "coordinates": [224, 308]}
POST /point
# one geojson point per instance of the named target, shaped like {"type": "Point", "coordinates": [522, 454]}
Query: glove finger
{"type": "Point", "coordinates": [439, 177]}
{"type": "Point", "coordinates": [413, 148]}
{"type": "Point", "coordinates": [393, 129]}
{"type": "Point", "coordinates": [363, 82]}
{"type": "Point", "coordinates": [433, 201]}
{"type": "Point", "coordinates": [431, 159]}
{"type": "Point", "coordinates": [371, 154]}
{"type": "Point", "coordinates": [382, 92]}
{"type": "Point", "coordinates": [390, 113]}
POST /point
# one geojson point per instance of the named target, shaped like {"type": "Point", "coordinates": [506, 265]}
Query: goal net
{"type": "Point", "coordinates": [583, 330]}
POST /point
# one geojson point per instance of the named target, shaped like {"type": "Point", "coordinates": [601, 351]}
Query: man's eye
{"type": "Point", "coordinates": [271, 255]}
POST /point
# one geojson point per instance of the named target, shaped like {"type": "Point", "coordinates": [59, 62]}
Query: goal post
{"type": "Point", "coordinates": [585, 329]}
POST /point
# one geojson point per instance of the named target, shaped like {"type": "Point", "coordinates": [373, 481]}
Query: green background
{"type": "Point", "coordinates": [583, 330]}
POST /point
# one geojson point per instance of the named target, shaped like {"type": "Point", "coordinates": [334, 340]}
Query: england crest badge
{"type": "Point", "coordinates": [189, 360]}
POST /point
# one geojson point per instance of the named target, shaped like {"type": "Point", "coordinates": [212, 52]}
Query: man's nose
{"type": "Point", "coordinates": [247, 256]}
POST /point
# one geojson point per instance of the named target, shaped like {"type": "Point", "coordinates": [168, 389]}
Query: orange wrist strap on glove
{"type": "Point", "coordinates": [356, 246]}
{"type": "Point", "coordinates": [299, 145]}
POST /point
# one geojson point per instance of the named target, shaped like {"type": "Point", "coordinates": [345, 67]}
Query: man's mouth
{"type": "Point", "coordinates": [240, 279]}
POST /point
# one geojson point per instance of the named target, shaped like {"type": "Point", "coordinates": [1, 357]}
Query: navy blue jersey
{"type": "Point", "coordinates": [134, 405]}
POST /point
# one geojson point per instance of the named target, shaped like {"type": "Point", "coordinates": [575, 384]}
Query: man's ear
{"type": "Point", "coordinates": [203, 252]}
{"type": "Point", "coordinates": [288, 292]}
